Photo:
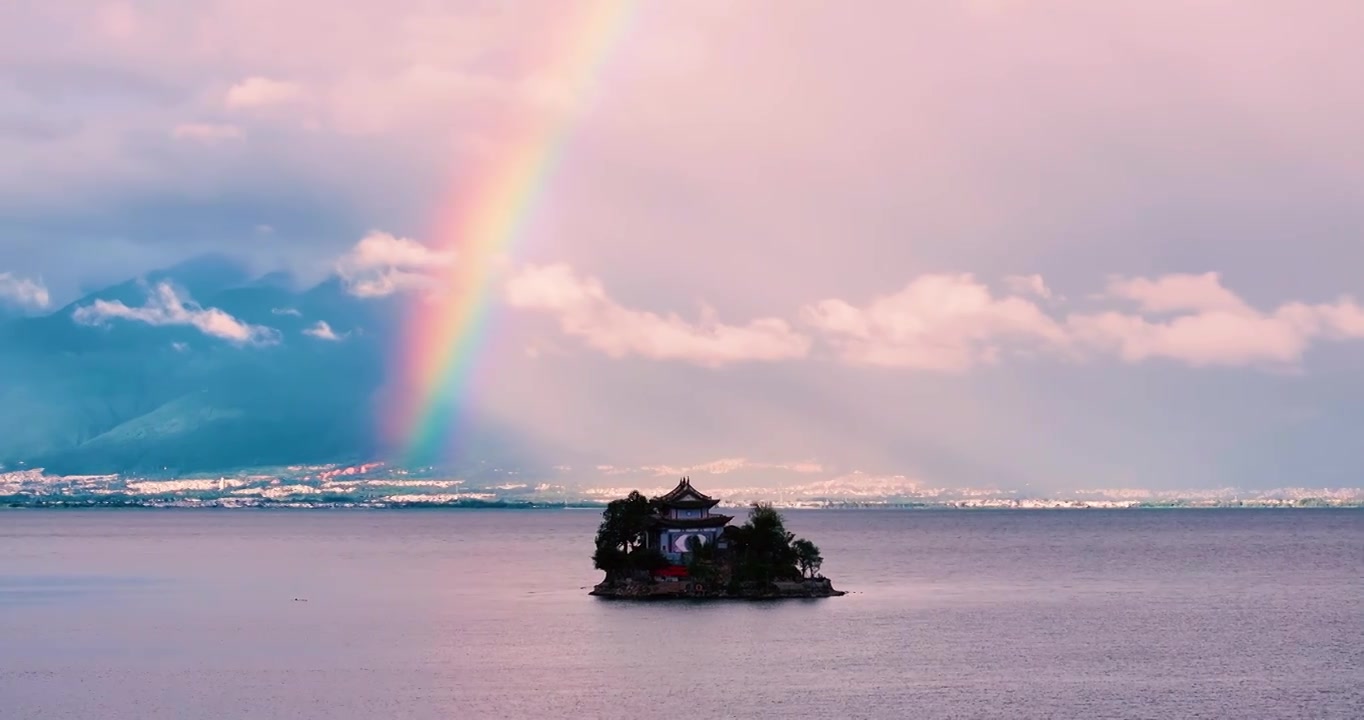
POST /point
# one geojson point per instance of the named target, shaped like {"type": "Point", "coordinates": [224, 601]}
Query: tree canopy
{"type": "Point", "coordinates": [765, 551]}
{"type": "Point", "coordinates": [621, 537]}
{"type": "Point", "coordinates": [760, 551]}
{"type": "Point", "coordinates": [807, 557]}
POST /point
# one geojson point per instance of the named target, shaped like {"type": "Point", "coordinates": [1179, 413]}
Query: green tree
{"type": "Point", "coordinates": [609, 558]}
{"type": "Point", "coordinates": [807, 557]}
{"type": "Point", "coordinates": [621, 537]}
{"type": "Point", "coordinates": [762, 547]}
{"type": "Point", "coordinates": [702, 561]}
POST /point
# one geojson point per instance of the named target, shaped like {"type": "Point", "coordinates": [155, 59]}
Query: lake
{"type": "Point", "coordinates": [484, 614]}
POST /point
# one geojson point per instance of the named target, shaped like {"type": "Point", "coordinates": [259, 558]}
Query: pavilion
{"type": "Point", "coordinates": [685, 513]}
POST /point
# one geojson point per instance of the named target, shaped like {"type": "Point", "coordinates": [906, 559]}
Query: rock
{"type": "Point", "coordinates": [646, 590]}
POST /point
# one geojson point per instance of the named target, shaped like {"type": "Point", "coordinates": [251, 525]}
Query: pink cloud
{"type": "Point", "coordinates": [1217, 326]}
{"type": "Point", "coordinates": [207, 132]}
{"type": "Point", "coordinates": [382, 264]}
{"type": "Point", "coordinates": [1208, 338]}
{"type": "Point", "coordinates": [1179, 292]}
{"type": "Point", "coordinates": [584, 310]}
{"type": "Point", "coordinates": [23, 291]}
{"type": "Point", "coordinates": [1028, 285]}
{"type": "Point", "coordinates": [936, 322]}
{"type": "Point", "coordinates": [259, 91]}
{"type": "Point", "coordinates": [951, 323]}
{"type": "Point", "coordinates": [117, 21]}
{"type": "Point", "coordinates": [322, 330]}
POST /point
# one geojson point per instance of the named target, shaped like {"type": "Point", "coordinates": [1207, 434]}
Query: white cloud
{"type": "Point", "coordinates": [382, 264]}
{"type": "Point", "coordinates": [323, 331]}
{"type": "Point", "coordinates": [23, 291]}
{"type": "Point", "coordinates": [208, 133]}
{"type": "Point", "coordinates": [945, 323]}
{"type": "Point", "coordinates": [165, 307]}
{"type": "Point", "coordinates": [286, 311]}
{"type": "Point", "coordinates": [257, 91]}
{"type": "Point", "coordinates": [584, 310]}
{"type": "Point", "coordinates": [952, 322]}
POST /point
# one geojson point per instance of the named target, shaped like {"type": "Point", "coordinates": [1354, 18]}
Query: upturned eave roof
{"type": "Point", "coordinates": [685, 496]}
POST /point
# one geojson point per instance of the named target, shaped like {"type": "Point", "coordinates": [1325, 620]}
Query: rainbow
{"type": "Point", "coordinates": [485, 218]}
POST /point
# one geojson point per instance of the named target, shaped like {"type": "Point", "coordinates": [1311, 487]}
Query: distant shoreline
{"type": "Point", "coordinates": [514, 506]}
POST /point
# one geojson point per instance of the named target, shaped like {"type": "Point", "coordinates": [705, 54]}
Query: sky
{"type": "Point", "coordinates": [977, 242]}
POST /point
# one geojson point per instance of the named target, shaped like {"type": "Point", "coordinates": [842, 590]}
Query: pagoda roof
{"type": "Point", "coordinates": [686, 496]}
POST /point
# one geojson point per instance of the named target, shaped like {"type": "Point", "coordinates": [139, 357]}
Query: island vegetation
{"type": "Point", "coordinates": [652, 547]}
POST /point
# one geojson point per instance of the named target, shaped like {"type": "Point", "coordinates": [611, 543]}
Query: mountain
{"type": "Point", "coordinates": [129, 396]}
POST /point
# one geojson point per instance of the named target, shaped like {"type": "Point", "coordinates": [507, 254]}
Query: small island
{"type": "Point", "coordinates": [674, 547]}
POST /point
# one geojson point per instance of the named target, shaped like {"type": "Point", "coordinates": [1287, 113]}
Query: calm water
{"type": "Point", "coordinates": [470, 614]}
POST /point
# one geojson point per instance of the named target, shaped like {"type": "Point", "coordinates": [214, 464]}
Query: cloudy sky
{"type": "Point", "coordinates": [1064, 244]}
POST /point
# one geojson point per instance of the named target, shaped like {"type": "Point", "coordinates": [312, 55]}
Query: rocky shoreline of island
{"type": "Point", "coordinates": [649, 590]}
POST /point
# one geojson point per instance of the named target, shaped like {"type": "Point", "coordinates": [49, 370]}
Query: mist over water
{"type": "Point", "coordinates": [439, 614]}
